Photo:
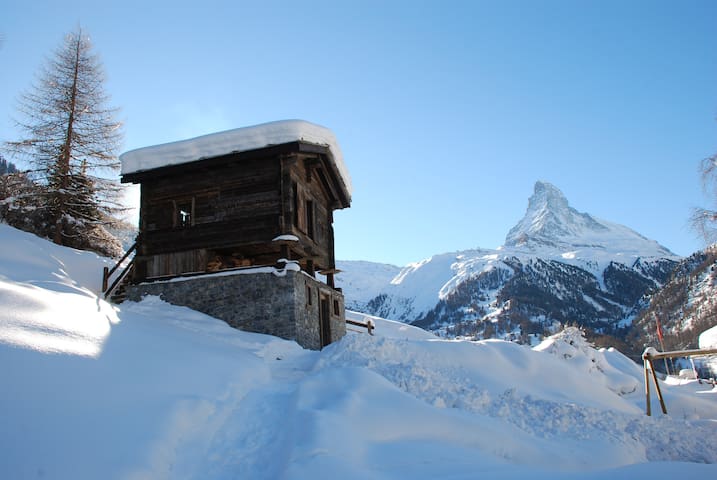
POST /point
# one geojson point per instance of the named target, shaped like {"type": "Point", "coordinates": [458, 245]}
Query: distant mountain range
{"type": "Point", "coordinates": [557, 266]}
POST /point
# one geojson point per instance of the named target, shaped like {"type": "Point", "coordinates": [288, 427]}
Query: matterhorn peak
{"type": "Point", "coordinates": [547, 195]}
{"type": "Point", "coordinates": [551, 222]}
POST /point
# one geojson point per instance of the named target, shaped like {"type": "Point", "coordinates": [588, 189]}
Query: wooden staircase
{"type": "Point", "coordinates": [119, 294]}
{"type": "Point", "coordinates": [116, 292]}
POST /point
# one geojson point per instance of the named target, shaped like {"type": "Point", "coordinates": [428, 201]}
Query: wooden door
{"type": "Point", "coordinates": [325, 321]}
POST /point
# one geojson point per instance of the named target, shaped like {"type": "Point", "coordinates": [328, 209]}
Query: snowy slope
{"type": "Point", "coordinates": [152, 391]}
{"type": "Point", "coordinates": [361, 281]}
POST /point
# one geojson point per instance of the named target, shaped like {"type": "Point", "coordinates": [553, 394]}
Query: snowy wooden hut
{"type": "Point", "coordinates": [242, 204]}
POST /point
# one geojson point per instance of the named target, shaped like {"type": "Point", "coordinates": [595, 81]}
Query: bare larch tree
{"type": "Point", "coordinates": [705, 220]}
{"type": "Point", "coordinates": [71, 139]}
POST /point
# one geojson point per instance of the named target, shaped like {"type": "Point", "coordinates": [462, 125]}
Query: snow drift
{"type": "Point", "coordinates": [149, 390]}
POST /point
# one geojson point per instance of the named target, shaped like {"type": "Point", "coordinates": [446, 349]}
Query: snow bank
{"type": "Point", "coordinates": [570, 344]}
{"type": "Point", "coordinates": [708, 339]}
{"type": "Point", "coordinates": [153, 391]}
{"type": "Point", "coordinates": [532, 408]}
{"type": "Point", "coordinates": [237, 140]}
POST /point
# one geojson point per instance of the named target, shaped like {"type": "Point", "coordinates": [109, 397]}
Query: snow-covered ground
{"type": "Point", "coordinates": [151, 391]}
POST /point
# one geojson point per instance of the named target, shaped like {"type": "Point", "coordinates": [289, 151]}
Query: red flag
{"type": "Point", "coordinates": [659, 330]}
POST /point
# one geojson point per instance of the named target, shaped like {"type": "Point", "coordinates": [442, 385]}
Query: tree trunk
{"type": "Point", "coordinates": [63, 163]}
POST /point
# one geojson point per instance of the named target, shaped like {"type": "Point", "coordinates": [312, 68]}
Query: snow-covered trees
{"type": "Point", "coordinates": [6, 167]}
{"type": "Point", "coordinates": [71, 139]}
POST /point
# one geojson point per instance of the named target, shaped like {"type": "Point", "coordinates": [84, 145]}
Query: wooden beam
{"type": "Point", "coordinates": [648, 406]}
{"type": "Point", "coordinates": [655, 355]}
{"type": "Point", "coordinates": [330, 271]}
{"type": "Point", "coordinates": [368, 325]}
{"type": "Point", "coordinates": [657, 387]}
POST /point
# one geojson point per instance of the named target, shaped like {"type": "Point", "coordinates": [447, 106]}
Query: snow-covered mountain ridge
{"type": "Point", "coordinates": [557, 265]}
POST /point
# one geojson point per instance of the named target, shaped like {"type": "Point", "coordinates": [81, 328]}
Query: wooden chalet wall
{"type": "Point", "coordinates": [224, 212]}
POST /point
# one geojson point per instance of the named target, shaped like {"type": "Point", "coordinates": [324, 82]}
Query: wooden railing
{"type": "Point", "coordinates": [368, 325]}
{"type": "Point", "coordinates": [650, 355]}
{"type": "Point", "coordinates": [107, 273]}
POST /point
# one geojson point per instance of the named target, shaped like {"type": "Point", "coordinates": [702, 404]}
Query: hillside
{"type": "Point", "coordinates": [686, 306]}
{"type": "Point", "coordinates": [149, 390]}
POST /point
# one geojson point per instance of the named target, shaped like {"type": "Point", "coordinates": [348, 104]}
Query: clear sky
{"type": "Point", "coordinates": [447, 112]}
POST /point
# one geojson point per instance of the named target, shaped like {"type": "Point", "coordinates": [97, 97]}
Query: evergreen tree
{"type": "Point", "coordinates": [71, 139]}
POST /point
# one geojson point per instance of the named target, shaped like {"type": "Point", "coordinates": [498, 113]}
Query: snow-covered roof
{"type": "Point", "coordinates": [232, 141]}
{"type": "Point", "coordinates": [708, 338]}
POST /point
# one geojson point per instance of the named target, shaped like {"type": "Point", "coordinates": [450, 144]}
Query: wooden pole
{"type": "Point", "coordinates": [648, 410]}
{"type": "Point", "coordinates": [655, 355]}
{"type": "Point", "coordinates": [105, 277]}
{"type": "Point", "coordinates": [657, 387]}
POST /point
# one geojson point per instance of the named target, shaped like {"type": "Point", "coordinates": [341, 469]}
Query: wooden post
{"type": "Point", "coordinates": [648, 410]}
{"type": "Point", "coordinates": [310, 267]}
{"type": "Point", "coordinates": [657, 387]}
{"type": "Point", "coordinates": [105, 276]}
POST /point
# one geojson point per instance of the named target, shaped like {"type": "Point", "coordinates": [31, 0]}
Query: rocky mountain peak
{"type": "Point", "coordinates": [551, 221]}
{"type": "Point", "coordinates": [547, 196]}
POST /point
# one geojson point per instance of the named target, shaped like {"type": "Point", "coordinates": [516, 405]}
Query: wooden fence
{"type": "Point", "coordinates": [368, 325]}
{"type": "Point", "coordinates": [648, 357]}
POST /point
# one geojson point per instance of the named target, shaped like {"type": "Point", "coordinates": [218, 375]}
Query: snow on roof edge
{"type": "Point", "coordinates": [236, 140]}
{"type": "Point", "coordinates": [708, 338]}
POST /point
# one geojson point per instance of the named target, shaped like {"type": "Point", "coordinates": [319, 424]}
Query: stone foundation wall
{"type": "Point", "coordinates": [284, 303]}
{"type": "Point", "coordinates": [308, 329]}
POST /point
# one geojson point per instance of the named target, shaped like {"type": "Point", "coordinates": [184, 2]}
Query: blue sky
{"type": "Point", "coordinates": [447, 112]}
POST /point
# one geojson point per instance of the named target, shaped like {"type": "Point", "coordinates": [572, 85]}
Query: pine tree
{"type": "Point", "coordinates": [71, 139]}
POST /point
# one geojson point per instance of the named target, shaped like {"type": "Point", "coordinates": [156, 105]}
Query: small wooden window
{"type": "Point", "coordinates": [337, 311]}
{"type": "Point", "coordinates": [185, 216]}
{"type": "Point", "coordinates": [183, 213]}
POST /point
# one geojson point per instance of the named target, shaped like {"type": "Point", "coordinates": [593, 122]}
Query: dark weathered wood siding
{"type": "Point", "coordinates": [310, 212]}
{"type": "Point", "coordinates": [229, 205]}
{"type": "Point", "coordinates": [225, 211]}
